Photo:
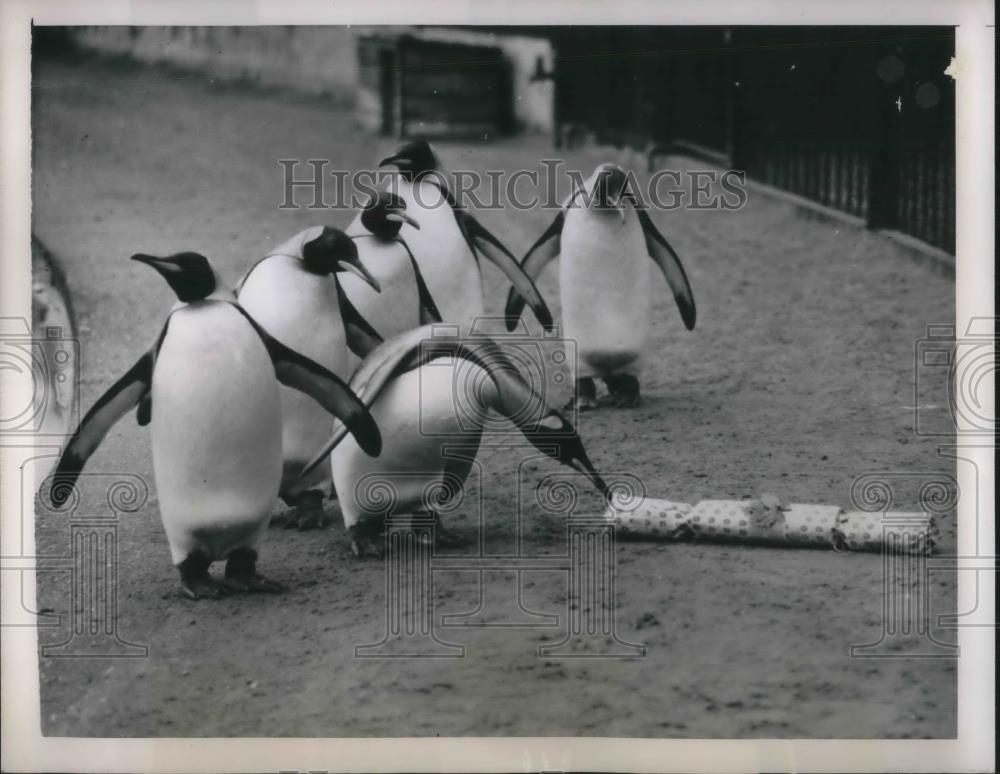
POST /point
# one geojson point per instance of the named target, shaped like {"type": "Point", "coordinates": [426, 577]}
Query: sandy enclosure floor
{"type": "Point", "coordinates": [797, 380]}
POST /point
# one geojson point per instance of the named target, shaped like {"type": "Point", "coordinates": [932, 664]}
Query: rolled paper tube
{"type": "Point", "coordinates": [757, 521]}
{"type": "Point", "coordinates": [765, 521]}
{"type": "Point", "coordinates": [906, 532]}
{"type": "Point", "coordinates": [647, 517]}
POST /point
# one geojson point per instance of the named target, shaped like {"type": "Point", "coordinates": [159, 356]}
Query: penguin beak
{"type": "Point", "coordinates": [164, 266]}
{"type": "Point", "coordinates": [583, 465]}
{"type": "Point", "coordinates": [402, 217]}
{"type": "Point", "coordinates": [396, 159]}
{"type": "Point", "coordinates": [356, 267]}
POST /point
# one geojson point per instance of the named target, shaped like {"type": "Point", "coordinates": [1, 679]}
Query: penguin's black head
{"type": "Point", "coordinates": [189, 274]}
{"type": "Point", "coordinates": [413, 159]}
{"type": "Point", "coordinates": [610, 187]}
{"type": "Point", "coordinates": [559, 440]}
{"type": "Point", "coordinates": [334, 251]}
{"type": "Point", "coordinates": [385, 215]}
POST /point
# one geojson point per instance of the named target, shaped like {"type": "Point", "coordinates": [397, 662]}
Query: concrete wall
{"type": "Point", "coordinates": [315, 60]}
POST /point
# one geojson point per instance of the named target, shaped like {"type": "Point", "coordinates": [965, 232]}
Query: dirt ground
{"type": "Point", "coordinates": [797, 380]}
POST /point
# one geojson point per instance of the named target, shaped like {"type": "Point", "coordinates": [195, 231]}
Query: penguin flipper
{"type": "Point", "coordinates": [121, 398]}
{"type": "Point", "coordinates": [479, 238]}
{"type": "Point", "coordinates": [144, 414]}
{"type": "Point", "coordinates": [428, 309]}
{"type": "Point", "coordinates": [362, 338]}
{"type": "Point", "coordinates": [371, 376]}
{"type": "Point", "coordinates": [326, 388]}
{"type": "Point", "coordinates": [545, 249]}
{"type": "Point", "coordinates": [670, 264]}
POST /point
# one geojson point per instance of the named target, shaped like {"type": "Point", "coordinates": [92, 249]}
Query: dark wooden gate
{"type": "Point", "coordinates": [861, 119]}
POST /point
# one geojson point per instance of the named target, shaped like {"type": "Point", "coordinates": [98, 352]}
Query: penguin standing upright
{"type": "Point", "coordinates": [449, 240]}
{"type": "Point", "coordinates": [404, 302]}
{"type": "Point", "coordinates": [605, 243]}
{"type": "Point", "coordinates": [422, 404]}
{"type": "Point", "coordinates": [295, 294]}
{"type": "Point", "coordinates": [216, 426]}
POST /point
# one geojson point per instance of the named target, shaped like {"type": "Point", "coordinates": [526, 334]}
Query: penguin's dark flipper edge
{"type": "Point", "coordinates": [144, 414]}
{"type": "Point", "coordinates": [326, 388]}
{"type": "Point", "coordinates": [670, 264]}
{"type": "Point", "coordinates": [121, 398]}
{"type": "Point", "coordinates": [428, 309]}
{"type": "Point", "coordinates": [362, 338]}
{"type": "Point", "coordinates": [482, 240]}
{"type": "Point", "coordinates": [545, 249]}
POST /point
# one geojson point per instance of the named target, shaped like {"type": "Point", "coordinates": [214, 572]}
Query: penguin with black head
{"type": "Point", "coordinates": [404, 302]}
{"type": "Point", "coordinates": [210, 387]}
{"type": "Point", "coordinates": [606, 245]}
{"type": "Point", "coordinates": [448, 240]}
{"type": "Point", "coordinates": [429, 391]}
{"type": "Point", "coordinates": [296, 294]}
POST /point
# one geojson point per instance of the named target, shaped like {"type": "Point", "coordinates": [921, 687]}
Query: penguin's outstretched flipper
{"type": "Point", "coordinates": [362, 338]}
{"type": "Point", "coordinates": [545, 249]}
{"type": "Point", "coordinates": [481, 240]}
{"type": "Point", "coordinates": [670, 264]}
{"type": "Point", "coordinates": [301, 373]}
{"type": "Point", "coordinates": [546, 427]}
{"type": "Point", "coordinates": [428, 309]}
{"type": "Point", "coordinates": [121, 398]}
{"type": "Point", "coordinates": [398, 355]}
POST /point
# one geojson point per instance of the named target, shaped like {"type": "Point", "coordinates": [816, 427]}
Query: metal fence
{"type": "Point", "coordinates": [860, 119]}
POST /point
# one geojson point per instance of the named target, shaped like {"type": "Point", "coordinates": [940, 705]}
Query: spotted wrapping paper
{"type": "Point", "coordinates": [767, 521]}
{"type": "Point", "coordinates": [908, 532]}
{"type": "Point", "coordinates": [649, 518]}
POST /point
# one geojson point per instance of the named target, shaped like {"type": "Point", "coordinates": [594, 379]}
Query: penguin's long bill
{"type": "Point", "coordinates": [377, 234]}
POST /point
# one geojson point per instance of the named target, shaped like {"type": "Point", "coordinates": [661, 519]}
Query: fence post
{"type": "Point", "coordinates": [884, 161]}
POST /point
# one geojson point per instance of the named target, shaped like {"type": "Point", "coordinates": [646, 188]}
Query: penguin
{"type": "Point", "coordinates": [449, 240]}
{"type": "Point", "coordinates": [604, 242]}
{"type": "Point", "coordinates": [295, 294]}
{"type": "Point", "coordinates": [412, 386]}
{"type": "Point", "coordinates": [216, 426]}
{"type": "Point", "coordinates": [404, 302]}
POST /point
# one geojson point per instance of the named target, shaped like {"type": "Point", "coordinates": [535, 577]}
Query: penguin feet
{"type": "Point", "coordinates": [242, 576]}
{"type": "Point", "coordinates": [585, 398]}
{"type": "Point", "coordinates": [443, 537]}
{"type": "Point", "coordinates": [623, 390]}
{"type": "Point", "coordinates": [196, 583]}
{"type": "Point", "coordinates": [307, 512]}
{"type": "Point", "coordinates": [367, 540]}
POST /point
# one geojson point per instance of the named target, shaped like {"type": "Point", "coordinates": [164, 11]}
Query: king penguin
{"type": "Point", "coordinates": [216, 426]}
{"type": "Point", "coordinates": [295, 294]}
{"type": "Point", "coordinates": [605, 244]}
{"type": "Point", "coordinates": [450, 239]}
{"type": "Point", "coordinates": [404, 302]}
{"type": "Point", "coordinates": [427, 391]}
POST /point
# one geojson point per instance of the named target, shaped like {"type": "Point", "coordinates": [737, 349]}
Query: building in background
{"type": "Point", "coordinates": [857, 119]}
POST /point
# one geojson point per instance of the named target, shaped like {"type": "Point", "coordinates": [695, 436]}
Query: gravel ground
{"type": "Point", "coordinates": [797, 380]}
